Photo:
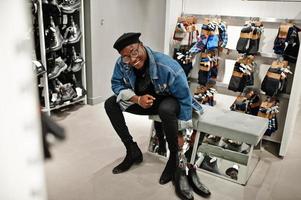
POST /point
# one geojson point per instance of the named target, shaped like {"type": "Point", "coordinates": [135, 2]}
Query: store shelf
{"type": "Point", "coordinates": [227, 154]}
{"type": "Point", "coordinates": [261, 54]}
{"type": "Point", "coordinates": [223, 89]}
{"type": "Point", "coordinates": [67, 103]}
{"type": "Point", "coordinates": [229, 19]}
{"type": "Point", "coordinates": [63, 54]}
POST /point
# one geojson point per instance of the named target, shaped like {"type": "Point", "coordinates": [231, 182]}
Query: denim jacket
{"type": "Point", "coordinates": [166, 75]}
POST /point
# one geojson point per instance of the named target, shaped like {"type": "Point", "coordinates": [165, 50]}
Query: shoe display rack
{"type": "Point", "coordinates": [60, 49]}
{"type": "Point", "coordinates": [229, 151]}
{"type": "Point", "coordinates": [220, 155]}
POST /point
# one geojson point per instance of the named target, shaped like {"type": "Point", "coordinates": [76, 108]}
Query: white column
{"type": "Point", "coordinates": [21, 168]}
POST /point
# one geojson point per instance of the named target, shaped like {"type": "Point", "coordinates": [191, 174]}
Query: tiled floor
{"type": "Point", "coordinates": [81, 165]}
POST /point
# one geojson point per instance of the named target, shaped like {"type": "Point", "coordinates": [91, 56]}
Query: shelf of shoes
{"type": "Point", "coordinates": [234, 147]}
{"type": "Point", "coordinates": [263, 59]}
{"type": "Point", "coordinates": [62, 49]}
{"type": "Point", "coordinates": [230, 141]}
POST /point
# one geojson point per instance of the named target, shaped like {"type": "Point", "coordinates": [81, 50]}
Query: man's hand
{"type": "Point", "coordinates": [146, 101]}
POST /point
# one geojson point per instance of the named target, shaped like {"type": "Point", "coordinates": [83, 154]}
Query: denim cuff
{"type": "Point", "coordinates": [184, 124]}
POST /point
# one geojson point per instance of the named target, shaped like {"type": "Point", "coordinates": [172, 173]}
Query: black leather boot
{"type": "Point", "coordinates": [182, 187]}
{"type": "Point", "coordinates": [133, 156]}
{"type": "Point", "coordinates": [170, 168]}
{"type": "Point", "coordinates": [196, 184]}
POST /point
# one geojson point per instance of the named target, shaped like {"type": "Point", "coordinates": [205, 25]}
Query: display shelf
{"type": "Point", "coordinates": [67, 103]}
{"type": "Point", "coordinates": [243, 171]}
{"type": "Point", "coordinates": [226, 124]}
{"type": "Point", "coordinates": [261, 54]}
{"type": "Point", "coordinates": [57, 50]}
{"type": "Point", "coordinates": [264, 60]}
{"type": "Point", "coordinates": [218, 151]}
{"type": "Point", "coordinates": [233, 19]}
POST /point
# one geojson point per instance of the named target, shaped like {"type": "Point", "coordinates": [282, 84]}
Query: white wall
{"type": "Point", "coordinates": [284, 10]}
{"type": "Point", "coordinates": [118, 16]}
{"type": "Point", "coordinates": [173, 11]}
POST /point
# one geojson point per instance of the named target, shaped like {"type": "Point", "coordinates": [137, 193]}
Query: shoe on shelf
{"type": "Point", "coordinates": [67, 92]}
{"type": "Point", "coordinates": [182, 187]}
{"type": "Point", "coordinates": [73, 33]}
{"type": "Point", "coordinates": [69, 6]}
{"type": "Point", "coordinates": [54, 39]}
{"type": "Point", "coordinates": [194, 181]}
{"type": "Point", "coordinates": [232, 172]}
{"type": "Point", "coordinates": [133, 156]}
{"type": "Point", "coordinates": [81, 92]}
{"type": "Point", "coordinates": [212, 139]}
{"type": "Point", "coordinates": [76, 61]}
{"type": "Point", "coordinates": [210, 164]}
{"type": "Point", "coordinates": [55, 99]}
{"type": "Point", "coordinates": [59, 66]}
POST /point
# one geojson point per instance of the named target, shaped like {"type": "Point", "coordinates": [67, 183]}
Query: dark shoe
{"type": "Point", "coordinates": [76, 61]}
{"type": "Point", "coordinates": [133, 156]}
{"type": "Point", "coordinates": [170, 168]}
{"type": "Point", "coordinates": [182, 187]}
{"type": "Point", "coordinates": [210, 164]}
{"type": "Point", "coordinates": [67, 92]}
{"type": "Point", "coordinates": [232, 172]}
{"type": "Point", "coordinates": [73, 33]}
{"type": "Point", "coordinates": [54, 39]}
{"type": "Point", "coordinates": [59, 67]}
{"type": "Point", "coordinates": [80, 92]}
{"type": "Point", "coordinates": [213, 140]}
{"type": "Point", "coordinates": [69, 6]}
{"type": "Point", "coordinates": [196, 184]}
{"type": "Point", "coordinates": [232, 145]}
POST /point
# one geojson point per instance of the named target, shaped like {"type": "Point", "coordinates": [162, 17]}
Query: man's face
{"type": "Point", "coordinates": [134, 55]}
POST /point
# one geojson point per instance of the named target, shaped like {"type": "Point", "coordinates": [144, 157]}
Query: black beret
{"type": "Point", "coordinates": [125, 40]}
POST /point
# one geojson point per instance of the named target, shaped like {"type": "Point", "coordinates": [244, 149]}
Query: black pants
{"type": "Point", "coordinates": [167, 108]}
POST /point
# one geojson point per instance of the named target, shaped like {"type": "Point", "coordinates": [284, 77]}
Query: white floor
{"type": "Point", "coordinates": [81, 165]}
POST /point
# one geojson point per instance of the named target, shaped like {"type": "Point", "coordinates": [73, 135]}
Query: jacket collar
{"type": "Point", "coordinates": [153, 68]}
